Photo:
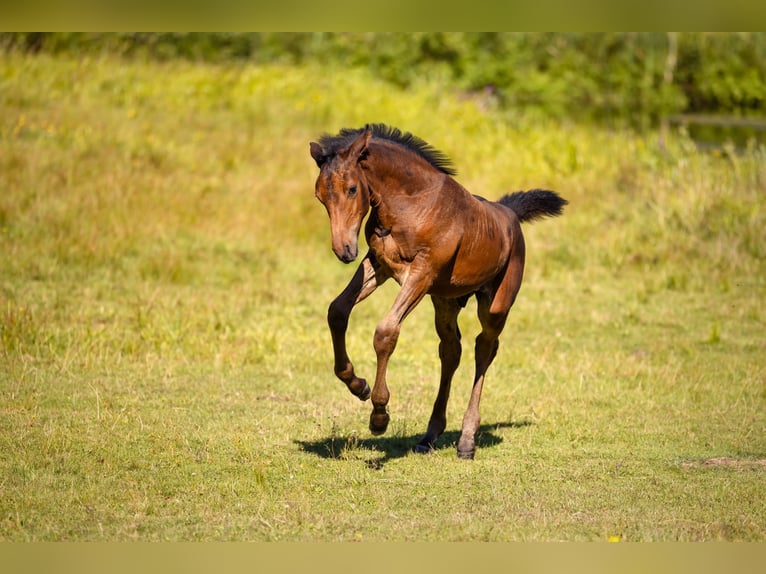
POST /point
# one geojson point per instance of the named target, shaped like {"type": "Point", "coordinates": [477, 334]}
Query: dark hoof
{"type": "Point", "coordinates": [379, 423]}
{"type": "Point", "coordinates": [422, 448]}
{"type": "Point", "coordinates": [466, 448]}
{"type": "Point", "coordinates": [466, 455]}
{"type": "Point", "coordinates": [360, 389]}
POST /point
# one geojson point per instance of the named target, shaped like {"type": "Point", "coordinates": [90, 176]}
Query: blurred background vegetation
{"type": "Point", "coordinates": [617, 79]}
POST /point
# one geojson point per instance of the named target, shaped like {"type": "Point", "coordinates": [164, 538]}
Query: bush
{"type": "Point", "coordinates": [617, 78]}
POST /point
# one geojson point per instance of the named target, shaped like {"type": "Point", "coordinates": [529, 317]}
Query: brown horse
{"type": "Point", "coordinates": [434, 238]}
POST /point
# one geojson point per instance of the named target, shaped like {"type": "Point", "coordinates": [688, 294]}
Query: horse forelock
{"type": "Point", "coordinates": [332, 144]}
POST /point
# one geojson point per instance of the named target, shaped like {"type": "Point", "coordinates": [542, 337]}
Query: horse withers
{"type": "Point", "coordinates": [434, 238]}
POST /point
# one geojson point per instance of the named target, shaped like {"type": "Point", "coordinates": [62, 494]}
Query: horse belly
{"type": "Point", "coordinates": [469, 270]}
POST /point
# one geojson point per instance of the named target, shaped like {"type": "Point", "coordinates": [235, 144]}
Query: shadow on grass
{"type": "Point", "coordinates": [354, 448]}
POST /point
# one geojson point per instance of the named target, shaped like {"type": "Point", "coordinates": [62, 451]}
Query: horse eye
{"type": "Point", "coordinates": [352, 190]}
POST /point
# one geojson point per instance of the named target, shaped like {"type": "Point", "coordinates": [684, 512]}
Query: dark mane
{"type": "Point", "coordinates": [332, 144]}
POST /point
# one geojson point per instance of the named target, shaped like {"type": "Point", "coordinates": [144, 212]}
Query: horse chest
{"type": "Point", "coordinates": [390, 254]}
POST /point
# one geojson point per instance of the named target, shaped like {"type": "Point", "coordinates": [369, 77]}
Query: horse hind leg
{"type": "Point", "coordinates": [493, 306]}
{"type": "Point", "coordinates": [450, 349]}
{"type": "Point", "coordinates": [487, 343]}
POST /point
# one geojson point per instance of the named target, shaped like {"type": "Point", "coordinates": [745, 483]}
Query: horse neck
{"type": "Point", "coordinates": [395, 174]}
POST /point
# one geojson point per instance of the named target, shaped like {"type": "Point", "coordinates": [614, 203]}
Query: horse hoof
{"type": "Point", "coordinates": [360, 389]}
{"type": "Point", "coordinates": [466, 448]}
{"type": "Point", "coordinates": [466, 455]}
{"type": "Point", "coordinates": [379, 423]}
{"type": "Point", "coordinates": [423, 448]}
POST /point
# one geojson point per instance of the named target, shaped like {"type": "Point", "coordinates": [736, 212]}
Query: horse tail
{"type": "Point", "coordinates": [534, 204]}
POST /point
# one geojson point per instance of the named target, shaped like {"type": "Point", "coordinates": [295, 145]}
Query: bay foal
{"type": "Point", "coordinates": [434, 238]}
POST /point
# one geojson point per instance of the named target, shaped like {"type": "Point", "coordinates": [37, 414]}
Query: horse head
{"type": "Point", "coordinates": [342, 188]}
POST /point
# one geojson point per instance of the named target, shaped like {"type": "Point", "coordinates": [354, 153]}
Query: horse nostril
{"type": "Point", "coordinates": [348, 255]}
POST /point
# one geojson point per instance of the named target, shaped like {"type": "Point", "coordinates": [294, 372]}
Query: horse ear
{"type": "Point", "coordinates": [358, 148]}
{"type": "Point", "coordinates": [317, 153]}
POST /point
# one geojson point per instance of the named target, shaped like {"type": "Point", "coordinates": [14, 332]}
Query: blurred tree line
{"type": "Point", "coordinates": [633, 78]}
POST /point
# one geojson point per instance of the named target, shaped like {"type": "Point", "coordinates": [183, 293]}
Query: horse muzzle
{"type": "Point", "coordinates": [347, 253]}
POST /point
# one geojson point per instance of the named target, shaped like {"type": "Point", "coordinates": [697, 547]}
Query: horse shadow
{"type": "Point", "coordinates": [352, 447]}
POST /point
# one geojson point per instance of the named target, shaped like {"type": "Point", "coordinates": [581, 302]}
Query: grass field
{"type": "Point", "coordinates": [166, 371]}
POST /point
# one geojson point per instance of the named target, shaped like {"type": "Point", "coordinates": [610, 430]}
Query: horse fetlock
{"type": "Point", "coordinates": [345, 372]}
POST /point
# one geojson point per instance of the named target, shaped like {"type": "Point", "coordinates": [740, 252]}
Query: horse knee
{"type": "Point", "coordinates": [450, 352]}
{"type": "Point", "coordinates": [337, 316]}
{"type": "Point", "coordinates": [385, 338]}
{"type": "Point", "coordinates": [450, 348]}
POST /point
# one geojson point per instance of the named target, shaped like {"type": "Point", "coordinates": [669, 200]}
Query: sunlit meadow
{"type": "Point", "coordinates": [165, 365]}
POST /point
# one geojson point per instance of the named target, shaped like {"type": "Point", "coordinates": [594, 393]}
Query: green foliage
{"type": "Point", "coordinates": [614, 78]}
{"type": "Point", "coordinates": [165, 365]}
{"type": "Point", "coordinates": [733, 79]}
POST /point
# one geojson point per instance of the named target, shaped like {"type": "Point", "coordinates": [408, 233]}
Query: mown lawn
{"type": "Point", "coordinates": [166, 371]}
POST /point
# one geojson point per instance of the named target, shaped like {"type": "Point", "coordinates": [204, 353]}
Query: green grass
{"type": "Point", "coordinates": [166, 367]}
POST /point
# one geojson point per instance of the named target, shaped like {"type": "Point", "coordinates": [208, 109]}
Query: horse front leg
{"type": "Point", "coordinates": [384, 342]}
{"type": "Point", "coordinates": [366, 279]}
